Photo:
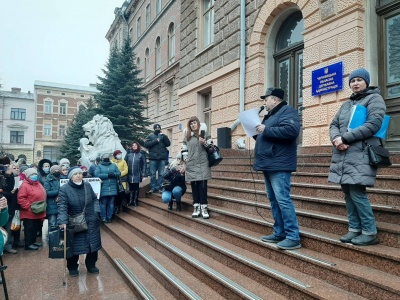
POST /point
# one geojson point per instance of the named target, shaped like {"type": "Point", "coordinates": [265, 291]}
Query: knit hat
{"type": "Point", "coordinates": [23, 168]}
{"type": "Point", "coordinates": [83, 168]}
{"type": "Point", "coordinates": [73, 171]}
{"type": "Point", "coordinates": [55, 169]}
{"type": "Point", "coordinates": [274, 91]}
{"type": "Point", "coordinates": [64, 161]}
{"type": "Point", "coordinates": [156, 126]}
{"type": "Point", "coordinates": [29, 172]}
{"type": "Point", "coordinates": [116, 152]}
{"type": "Point", "coordinates": [362, 73]}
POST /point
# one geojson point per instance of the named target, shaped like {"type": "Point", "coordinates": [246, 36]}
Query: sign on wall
{"type": "Point", "coordinates": [94, 182]}
{"type": "Point", "coordinates": [327, 79]}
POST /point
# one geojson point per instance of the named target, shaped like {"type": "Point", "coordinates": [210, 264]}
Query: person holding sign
{"type": "Point", "coordinates": [350, 166]}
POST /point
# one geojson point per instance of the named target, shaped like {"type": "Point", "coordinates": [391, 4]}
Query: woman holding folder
{"type": "Point", "coordinates": [350, 161]}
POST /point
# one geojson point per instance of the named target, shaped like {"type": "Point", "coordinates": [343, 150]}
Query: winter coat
{"type": "Point", "coordinates": [123, 168]}
{"type": "Point", "coordinates": [71, 201]}
{"type": "Point", "coordinates": [197, 168]}
{"type": "Point", "coordinates": [3, 220]}
{"type": "Point", "coordinates": [176, 179]}
{"type": "Point", "coordinates": [30, 192]}
{"type": "Point", "coordinates": [109, 186]}
{"type": "Point", "coordinates": [52, 187]}
{"type": "Point", "coordinates": [157, 149]}
{"type": "Point", "coordinates": [12, 201]}
{"type": "Point", "coordinates": [42, 174]}
{"type": "Point", "coordinates": [136, 162]}
{"type": "Point", "coordinates": [352, 165]}
{"type": "Point", "coordinates": [276, 147]}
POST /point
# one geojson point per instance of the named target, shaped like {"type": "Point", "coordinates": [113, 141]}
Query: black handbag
{"type": "Point", "coordinates": [56, 242]}
{"type": "Point", "coordinates": [214, 156]}
{"type": "Point", "coordinates": [79, 220]}
{"type": "Point", "coordinates": [120, 186]}
{"type": "Point", "coordinates": [379, 157]}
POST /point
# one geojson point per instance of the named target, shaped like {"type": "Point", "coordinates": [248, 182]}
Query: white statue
{"type": "Point", "coordinates": [101, 139]}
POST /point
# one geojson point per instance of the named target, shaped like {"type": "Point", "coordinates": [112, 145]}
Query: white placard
{"type": "Point", "coordinates": [250, 119]}
{"type": "Point", "coordinates": [94, 182]}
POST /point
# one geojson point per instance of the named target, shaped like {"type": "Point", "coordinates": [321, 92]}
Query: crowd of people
{"type": "Point", "coordinates": [36, 194]}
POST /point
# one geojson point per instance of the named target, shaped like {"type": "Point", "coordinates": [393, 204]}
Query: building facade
{"type": "Point", "coordinates": [56, 105]}
{"type": "Point", "coordinates": [231, 51]}
{"type": "Point", "coordinates": [17, 130]}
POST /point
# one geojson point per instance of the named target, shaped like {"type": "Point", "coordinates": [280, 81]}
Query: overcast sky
{"type": "Point", "coordinates": [59, 41]}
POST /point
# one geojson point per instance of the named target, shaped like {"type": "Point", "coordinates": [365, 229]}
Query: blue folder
{"type": "Point", "coordinates": [359, 116]}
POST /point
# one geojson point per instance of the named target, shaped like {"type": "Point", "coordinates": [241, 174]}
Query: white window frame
{"type": "Point", "coordinates": [158, 7]}
{"type": "Point", "coordinates": [48, 106]}
{"type": "Point", "coordinates": [138, 28]}
{"type": "Point", "coordinates": [158, 55]}
{"type": "Point", "coordinates": [148, 15]}
{"type": "Point", "coordinates": [47, 129]}
{"type": "Point", "coordinates": [208, 22]}
{"type": "Point", "coordinates": [147, 64]}
{"type": "Point", "coordinates": [171, 44]}
{"type": "Point", "coordinates": [65, 105]}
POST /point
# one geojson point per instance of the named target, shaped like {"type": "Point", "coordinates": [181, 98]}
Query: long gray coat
{"type": "Point", "coordinates": [197, 168]}
{"type": "Point", "coordinates": [352, 166]}
{"type": "Point", "coordinates": [71, 201]}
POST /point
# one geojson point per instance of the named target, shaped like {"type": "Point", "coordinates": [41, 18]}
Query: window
{"type": "Point", "coordinates": [138, 28]}
{"type": "Point", "coordinates": [63, 108]}
{"type": "Point", "coordinates": [16, 137]}
{"type": "Point", "coordinates": [61, 130]}
{"type": "Point", "coordinates": [148, 15]}
{"type": "Point", "coordinates": [208, 22]}
{"type": "Point", "coordinates": [48, 107]}
{"type": "Point", "coordinates": [51, 153]}
{"type": "Point", "coordinates": [18, 113]}
{"type": "Point", "coordinates": [158, 55]}
{"type": "Point", "coordinates": [48, 92]}
{"type": "Point", "coordinates": [147, 64]}
{"type": "Point", "coordinates": [138, 62]}
{"type": "Point", "coordinates": [158, 6]}
{"type": "Point", "coordinates": [156, 102]}
{"type": "Point", "coordinates": [82, 96]}
{"type": "Point", "coordinates": [170, 90]}
{"type": "Point", "coordinates": [47, 129]}
{"type": "Point", "coordinates": [131, 35]}
{"type": "Point", "coordinates": [171, 44]}
{"type": "Point", "coordinates": [207, 111]}
{"type": "Point", "coordinates": [63, 94]}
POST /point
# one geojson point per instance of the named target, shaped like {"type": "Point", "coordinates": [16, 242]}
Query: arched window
{"type": "Point", "coordinates": [147, 64]}
{"type": "Point", "coordinates": [171, 44]}
{"type": "Point", "coordinates": [158, 55]}
{"type": "Point", "coordinates": [138, 62]}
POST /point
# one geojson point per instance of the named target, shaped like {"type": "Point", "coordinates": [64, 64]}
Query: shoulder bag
{"type": "Point", "coordinates": [379, 157]}
{"type": "Point", "coordinates": [79, 220]}
{"type": "Point", "coordinates": [39, 207]}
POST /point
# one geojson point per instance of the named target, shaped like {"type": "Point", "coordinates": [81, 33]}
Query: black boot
{"type": "Point", "coordinates": [117, 210]}
{"type": "Point", "coordinates": [131, 202]}
{"type": "Point", "coordinates": [170, 205]}
{"type": "Point", "coordinates": [178, 206]}
{"type": "Point", "coordinates": [135, 201]}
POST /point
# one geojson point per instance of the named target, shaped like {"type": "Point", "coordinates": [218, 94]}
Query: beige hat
{"type": "Point", "coordinates": [29, 172]}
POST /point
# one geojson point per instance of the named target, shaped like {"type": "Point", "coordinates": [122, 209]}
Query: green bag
{"type": "Point", "coordinates": [39, 207]}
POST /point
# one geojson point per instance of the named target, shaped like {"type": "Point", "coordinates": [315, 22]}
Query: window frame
{"type": "Point", "coordinates": [170, 94]}
{"type": "Point", "coordinates": [45, 106]}
{"type": "Point", "coordinates": [63, 105]}
{"type": "Point", "coordinates": [157, 100]}
{"type": "Point", "coordinates": [171, 44]}
{"type": "Point", "coordinates": [148, 15]}
{"type": "Point", "coordinates": [157, 53]}
{"type": "Point", "coordinates": [18, 114]}
{"type": "Point", "coordinates": [138, 28]}
{"type": "Point", "coordinates": [15, 137]}
{"type": "Point", "coordinates": [207, 40]}
{"type": "Point", "coordinates": [158, 7]}
{"type": "Point", "coordinates": [61, 133]}
{"type": "Point", "coordinates": [47, 127]}
{"type": "Point", "coordinates": [147, 64]}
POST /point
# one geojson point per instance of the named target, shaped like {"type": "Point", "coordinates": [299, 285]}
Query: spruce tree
{"type": "Point", "coordinates": [70, 145]}
{"type": "Point", "coordinates": [121, 94]}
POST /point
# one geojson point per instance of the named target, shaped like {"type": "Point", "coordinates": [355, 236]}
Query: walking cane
{"type": "Point", "coordinates": [65, 256]}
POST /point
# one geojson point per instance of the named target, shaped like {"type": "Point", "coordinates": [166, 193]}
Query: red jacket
{"type": "Point", "coordinates": [28, 193]}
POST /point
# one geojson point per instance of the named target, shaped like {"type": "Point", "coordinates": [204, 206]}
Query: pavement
{"type": "Point", "coordinates": [32, 275]}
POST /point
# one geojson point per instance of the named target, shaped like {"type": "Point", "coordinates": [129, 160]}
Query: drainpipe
{"type": "Point", "coordinates": [242, 70]}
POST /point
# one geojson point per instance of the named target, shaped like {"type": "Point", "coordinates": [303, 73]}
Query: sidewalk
{"type": "Point", "coordinates": [32, 275]}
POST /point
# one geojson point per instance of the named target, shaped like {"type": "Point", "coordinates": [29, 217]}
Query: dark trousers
{"type": "Point", "coordinates": [118, 199]}
{"type": "Point", "coordinates": [199, 192]}
{"type": "Point", "coordinates": [31, 228]}
{"type": "Point", "coordinates": [90, 261]}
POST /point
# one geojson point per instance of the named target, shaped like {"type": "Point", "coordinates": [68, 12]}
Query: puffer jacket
{"type": "Point", "coordinates": [157, 149]}
{"type": "Point", "coordinates": [197, 168]}
{"type": "Point", "coordinates": [352, 165]}
{"type": "Point", "coordinates": [52, 187]}
{"type": "Point", "coordinates": [30, 192]}
{"type": "Point", "coordinates": [3, 220]}
{"type": "Point", "coordinates": [42, 174]}
{"type": "Point", "coordinates": [109, 186]}
{"type": "Point", "coordinates": [71, 201]}
{"type": "Point", "coordinates": [136, 166]}
{"type": "Point", "coordinates": [176, 178]}
{"type": "Point", "coordinates": [276, 147]}
{"type": "Point", "coordinates": [123, 168]}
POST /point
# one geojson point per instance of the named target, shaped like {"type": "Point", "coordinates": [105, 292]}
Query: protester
{"type": "Point", "coordinates": [157, 144]}
{"type": "Point", "coordinates": [65, 162]}
{"type": "Point", "coordinates": [196, 167]}
{"type": "Point", "coordinates": [4, 215]}
{"type": "Point", "coordinates": [52, 187]}
{"type": "Point", "coordinates": [31, 191]}
{"type": "Point", "coordinates": [92, 167]}
{"type": "Point", "coordinates": [72, 198]}
{"type": "Point", "coordinates": [64, 172]}
{"type": "Point", "coordinates": [108, 173]}
{"type": "Point", "coordinates": [350, 165]}
{"type": "Point", "coordinates": [136, 161]}
{"type": "Point", "coordinates": [44, 169]}
{"type": "Point", "coordinates": [176, 186]}
{"type": "Point", "coordinates": [276, 156]}
{"type": "Point", "coordinates": [85, 172]}
{"type": "Point", "coordinates": [123, 168]}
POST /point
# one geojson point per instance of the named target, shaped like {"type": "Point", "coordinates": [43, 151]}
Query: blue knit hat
{"type": "Point", "coordinates": [362, 73]}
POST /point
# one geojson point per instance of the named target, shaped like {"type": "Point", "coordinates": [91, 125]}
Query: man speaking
{"type": "Point", "coordinates": [276, 156]}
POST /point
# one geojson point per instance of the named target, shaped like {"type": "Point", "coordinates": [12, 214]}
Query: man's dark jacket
{"type": "Point", "coordinates": [157, 149]}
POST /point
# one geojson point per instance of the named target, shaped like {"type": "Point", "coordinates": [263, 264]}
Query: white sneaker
{"type": "Point", "coordinates": [204, 211]}
{"type": "Point", "coordinates": [196, 211]}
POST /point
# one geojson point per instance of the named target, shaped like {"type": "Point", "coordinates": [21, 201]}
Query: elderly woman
{"type": "Point", "coordinates": [30, 192]}
{"type": "Point", "coordinates": [350, 161]}
{"type": "Point", "coordinates": [73, 198]}
{"type": "Point", "coordinates": [196, 167]}
{"type": "Point", "coordinates": [52, 187]}
{"type": "Point", "coordinates": [136, 161]}
{"type": "Point", "coordinates": [123, 168]}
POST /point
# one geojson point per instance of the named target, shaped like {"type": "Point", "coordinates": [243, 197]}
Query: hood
{"type": "Point", "coordinates": [40, 166]}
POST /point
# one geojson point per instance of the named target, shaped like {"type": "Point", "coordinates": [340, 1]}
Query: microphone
{"type": "Point", "coordinates": [261, 108]}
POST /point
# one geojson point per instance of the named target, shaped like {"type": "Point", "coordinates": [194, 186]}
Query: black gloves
{"type": "Point", "coordinates": [111, 175]}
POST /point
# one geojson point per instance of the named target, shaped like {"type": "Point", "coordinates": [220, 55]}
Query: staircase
{"type": "Point", "coordinates": [166, 254]}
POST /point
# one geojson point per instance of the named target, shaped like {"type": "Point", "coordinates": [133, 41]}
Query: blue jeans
{"type": "Point", "coordinates": [106, 207]}
{"type": "Point", "coordinates": [156, 166]}
{"type": "Point", "coordinates": [176, 193]}
{"type": "Point", "coordinates": [278, 191]}
{"type": "Point", "coordinates": [359, 211]}
{"type": "Point", "coordinates": [52, 220]}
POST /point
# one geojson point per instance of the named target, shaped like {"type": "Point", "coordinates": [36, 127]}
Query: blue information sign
{"type": "Point", "coordinates": [327, 79]}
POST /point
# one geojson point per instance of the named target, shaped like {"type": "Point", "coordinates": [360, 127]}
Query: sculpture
{"type": "Point", "coordinates": [101, 139]}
